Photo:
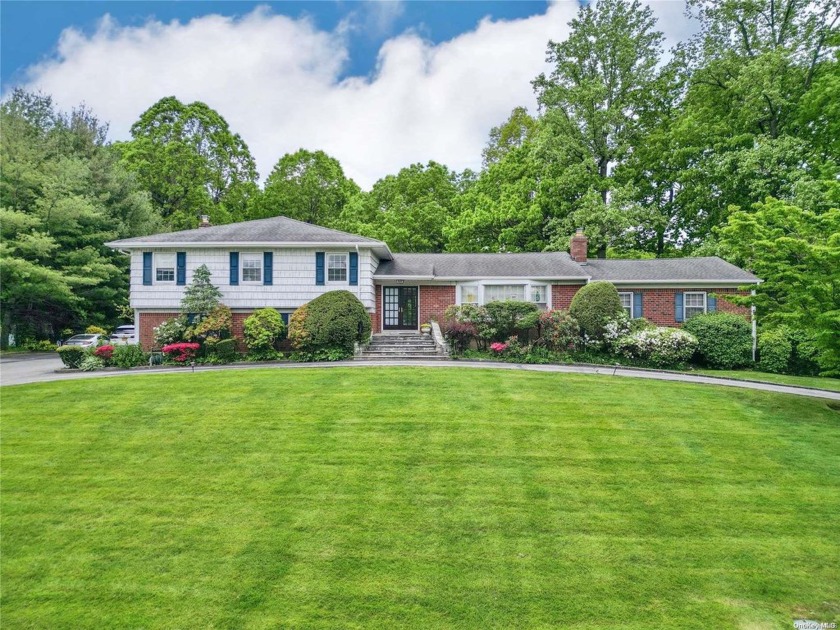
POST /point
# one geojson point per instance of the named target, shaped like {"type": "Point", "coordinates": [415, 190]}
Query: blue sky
{"type": "Point", "coordinates": [377, 85]}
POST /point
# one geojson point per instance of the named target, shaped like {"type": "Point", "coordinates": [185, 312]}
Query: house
{"type": "Point", "coordinates": [283, 263]}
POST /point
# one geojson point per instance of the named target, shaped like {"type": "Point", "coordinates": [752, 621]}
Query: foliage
{"type": "Point", "coordinates": [104, 352]}
{"type": "Point", "coordinates": [63, 194]}
{"type": "Point", "coordinates": [219, 351]}
{"type": "Point", "coordinates": [95, 330]}
{"type": "Point", "coordinates": [129, 355]}
{"type": "Point", "coordinates": [784, 350]}
{"type": "Point", "coordinates": [170, 331]}
{"type": "Point", "coordinates": [190, 161]}
{"type": "Point", "coordinates": [511, 316]}
{"type": "Point", "coordinates": [558, 330]}
{"type": "Point", "coordinates": [91, 363]}
{"type": "Point", "coordinates": [308, 186]}
{"type": "Point", "coordinates": [324, 354]}
{"type": "Point", "coordinates": [458, 334]}
{"type": "Point", "coordinates": [72, 356]}
{"type": "Point", "coordinates": [724, 339]}
{"type": "Point", "coordinates": [40, 346]}
{"type": "Point", "coordinates": [659, 346]}
{"type": "Point", "coordinates": [796, 252]}
{"type": "Point", "coordinates": [181, 352]}
{"type": "Point", "coordinates": [263, 329]}
{"type": "Point", "coordinates": [200, 296]}
{"type": "Point", "coordinates": [334, 321]}
{"type": "Point", "coordinates": [594, 306]}
{"type": "Point", "coordinates": [217, 324]}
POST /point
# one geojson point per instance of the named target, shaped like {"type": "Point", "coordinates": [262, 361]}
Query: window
{"type": "Point", "coordinates": [539, 293]}
{"type": "Point", "coordinates": [469, 294]}
{"type": "Point", "coordinates": [494, 292]}
{"type": "Point", "coordinates": [695, 304]}
{"type": "Point", "coordinates": [164, 267]}
{"type": "Point", "coordinates": [627, 303]}
{"type": "Point", "coordinates": [337, 268]}
{"type": "Point", "coordinates": [251, 267]}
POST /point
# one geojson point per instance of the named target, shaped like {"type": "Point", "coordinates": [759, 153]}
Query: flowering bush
{"type": "Point", "coordinates": [498, 347]}
{"type": "Point", "coordinates": [559, 330]}
{"type": "Point", "coordinates": [104, 352]}
{"type": "Point", "coordinates": [170, 331]}
{"type": "Point", "coordinates": [661, 347]}
{"type": "Point", "coordinates": [181, 352]}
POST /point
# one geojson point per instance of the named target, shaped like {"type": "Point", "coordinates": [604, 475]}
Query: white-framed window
{"type": "Point", "coordinates": [539, 293]}
{"type": "Point", "coordinates": [496, 292]}
{"type": "Point", "coordinates": [336, 267]}
{"type": "Point", "coordinates": [164, 267]}
{"type": "Point", "coordinates": [627, 303]}
{"type": "Point", "coordinates": [252, 267]}
{"type": "Point", "coordinates": [469, 294]}
{"type": "Point", "coordinates": [694, 303]}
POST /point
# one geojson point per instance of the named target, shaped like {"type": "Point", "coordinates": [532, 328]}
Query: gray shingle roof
{"type": "Point", "coordinates": [537, 265]}
{"type": "Point", "coordinates": [272, 230]}
{"type": "Point", "coordinates": [664, 269]}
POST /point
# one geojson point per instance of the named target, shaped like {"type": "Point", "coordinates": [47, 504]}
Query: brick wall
{"type": "Point", "coordinates": [433, 302]}
{"type": "Point", "coordinates": [376, 316]}
{"type": "Point", "coordinates": [562, 294]}
{"type": "Point", "coordinates": [148, 323]}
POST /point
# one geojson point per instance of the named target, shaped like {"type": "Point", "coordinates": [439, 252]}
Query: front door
{"type": "Point", "coordinates": [400, 308]}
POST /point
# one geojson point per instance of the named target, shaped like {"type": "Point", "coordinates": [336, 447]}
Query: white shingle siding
{"type": "Point", "coordinates": [293, 282]}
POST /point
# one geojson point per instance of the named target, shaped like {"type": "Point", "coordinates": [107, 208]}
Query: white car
{"type": "Point", "coordinates": [85, 341]}
{"type": "Point", "coordinates": [123, 336]}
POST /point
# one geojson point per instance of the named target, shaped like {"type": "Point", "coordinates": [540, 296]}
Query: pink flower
{"type": "Point", "coordinates": [181, 352]}
{"type": "Point", "coordinates": [498, 347]}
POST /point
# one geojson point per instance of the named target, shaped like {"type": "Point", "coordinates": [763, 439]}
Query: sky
{"type": "Point", "coordinates": [379, 85]}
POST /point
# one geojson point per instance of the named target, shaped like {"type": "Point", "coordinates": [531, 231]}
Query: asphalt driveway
{"type": "Point", "coordinates": [40, 367]}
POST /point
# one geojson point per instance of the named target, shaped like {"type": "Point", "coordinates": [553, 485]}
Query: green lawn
{"type": "Point", "coordinates": [416, 498]}
{"type": "Point", "coordinates": [832, 384]}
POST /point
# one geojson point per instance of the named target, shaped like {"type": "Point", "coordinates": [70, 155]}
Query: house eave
{"type": "Point", "coordinates": [380, 249]}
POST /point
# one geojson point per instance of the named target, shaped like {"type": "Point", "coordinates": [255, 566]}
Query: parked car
{"type": "Point", "coordinates": [123, 336]}
{"type": "Point", "coordinates": [85, 341]}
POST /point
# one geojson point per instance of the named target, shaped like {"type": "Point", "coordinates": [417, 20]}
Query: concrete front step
{"type": "Point", "coordinates": [396, 347]}
{"type": "Point", "coordinates": [400, 357]}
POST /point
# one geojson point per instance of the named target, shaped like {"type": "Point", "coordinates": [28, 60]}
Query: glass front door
{"type": "Point", "coordinates": [400, 306]}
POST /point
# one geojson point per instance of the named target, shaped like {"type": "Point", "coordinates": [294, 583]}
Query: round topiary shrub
{"type": "Point", "coordinates": [594, 306]}
{"type": "Point", "coordinates": [72, 356]}
{"type": "Point", "coordinates": [329, 326]}
{"type": "Point", "coordinates": [262, 330]}
{"type": "Point", "coordinates": [724, 339]}
{"type": "Point", "coordinates": [774, 351]}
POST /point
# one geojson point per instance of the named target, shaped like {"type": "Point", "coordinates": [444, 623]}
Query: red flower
{"type": "Point", "coordinates": [181, 352]}
{"type": "Point", "coordinates": [104, 352]}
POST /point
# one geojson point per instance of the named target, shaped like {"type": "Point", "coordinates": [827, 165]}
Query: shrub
{"type": "Point", "coordinates": [724, 339]}
{"type": "Point", "coordinates": [200, 295]}
{"type": "Point", "coordinates": [104, 352]}
{"type": "Point", "coordinates": [95, 330]}
{"type": "Point", "coordinates": [171, 331]}
{"type": "Point", "coordinates": [660, 347]}
{"type": "Point", "coordinates": [180, 352]}
{"type": "Point", "coordinates": [507, 317]}
{"type": "Point", "coordinates": [72, 356]}
{"type": "Point", "coordinates": [594, 306]}
{"type": "Point", "coordinates": [558, 330]}
{"type": "Point", "coordinates": [91, 363]}
{"type": "Point", "coordinates": [474, 315]}
{"type": "Point", "coordinates": [786, 350]}
{"type": "Point", "coordinates": [332, 322]}
{"type": "Point", "coordinates": [217, 324]}
{"type": "Point", "coordinates": [129, 356]}
{"type": "Point", "coordinates": [498, 347]}
{"type": "Point", "coordinates": [44, 345]}
{"type": "Point", "coordinates": [220, 351]}
{"type": "Point", "coordinates": [262, 331]}
{"type": "Point", "coordinates": [458, 335]}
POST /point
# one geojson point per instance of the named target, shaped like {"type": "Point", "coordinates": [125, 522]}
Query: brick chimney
{"type": "Point", "coordinates": [579, 246]}
{"type": "Point", "coordinates": [204, 221]}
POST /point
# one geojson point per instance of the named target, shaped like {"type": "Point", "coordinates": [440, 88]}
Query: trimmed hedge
{"type": "Point", "coordinates": [72, 356]}
{"type": "Point", "coordinates": [329, 325]}
{"type": "Point", "coordinates": [724, 339]}
{"type": "Point", "coordinates": [262, 330]}
{"type": "Point", "coordinates": [594, 306]}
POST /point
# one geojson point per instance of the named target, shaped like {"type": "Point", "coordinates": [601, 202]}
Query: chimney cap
{"type": "Point", "coordinates": [579, 230]}
{"type": "Point", "coordinates": [204, 220]}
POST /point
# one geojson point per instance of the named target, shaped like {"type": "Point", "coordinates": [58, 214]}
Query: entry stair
{"type": "Point", "coordinates": [401, 346]}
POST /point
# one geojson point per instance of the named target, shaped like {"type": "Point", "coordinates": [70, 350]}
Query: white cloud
{"type": "Point", "coordinates": [276, 81]}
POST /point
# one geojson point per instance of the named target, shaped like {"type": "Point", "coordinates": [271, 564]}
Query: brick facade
{"type": "Point", "coordinates": [148, 323]}
{"type": "Point", "coordinates": [433, 302]}
{"type": "Point", "coordinates": [562, 294]}
{"type": "Point", "coordinates": [376, 316]}
{"type": "Point", "coordinates": [658, 304]}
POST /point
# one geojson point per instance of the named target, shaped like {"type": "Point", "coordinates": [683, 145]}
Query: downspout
{"type": "Point", "coordinates": [754, 330]}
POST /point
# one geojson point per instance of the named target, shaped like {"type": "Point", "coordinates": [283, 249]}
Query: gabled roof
{"type": "Point", "coordinates": [547, 265]}
{"type": "Point", "coordinates": [272, 231]}
{"type": "Point", "coordinates": [662, 270]}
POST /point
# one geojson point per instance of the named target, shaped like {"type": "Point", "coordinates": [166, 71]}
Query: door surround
{"type": "Point", "coordinates": [396, 298]}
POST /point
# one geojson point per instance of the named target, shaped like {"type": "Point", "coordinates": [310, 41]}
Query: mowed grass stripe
{"type": "Point", "coordinates": [415, 498]}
